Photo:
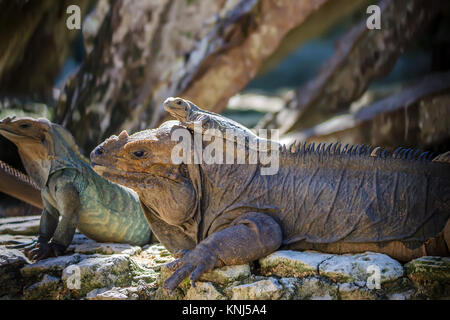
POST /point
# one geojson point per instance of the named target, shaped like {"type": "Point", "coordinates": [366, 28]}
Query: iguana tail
{"type": "Point", "coordinates": [19, 185]}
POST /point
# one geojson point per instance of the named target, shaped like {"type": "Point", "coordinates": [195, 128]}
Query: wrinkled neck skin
{"type": "Point", "coordinates": [37, 163]}
{"type": "Point", "coordinates": [166, 191]}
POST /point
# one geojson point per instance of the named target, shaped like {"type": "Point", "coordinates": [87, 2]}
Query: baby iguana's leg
{"type": "Point", "coordinates": [248, 238]}
{"type": "Point", "coordinates": [68, 202]}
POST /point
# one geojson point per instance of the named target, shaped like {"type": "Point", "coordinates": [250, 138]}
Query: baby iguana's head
{"type": "Point", "coordinates": [34, 143]}
{"type": "Point", "coordinates": [180, 109]}
{"type": "Point", "coordinates": [131, 159]}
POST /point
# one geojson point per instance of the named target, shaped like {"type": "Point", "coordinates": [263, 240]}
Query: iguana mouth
{"type": "Point", "coordinates": [101, 170]}
{"type": "Point", "coordinates": [10, 134]}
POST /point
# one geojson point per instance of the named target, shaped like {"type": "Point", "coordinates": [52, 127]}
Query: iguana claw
{"type": "Point", "coordinates": [192, 264]}
{"type": "Point", "coordinates": [46, 250]}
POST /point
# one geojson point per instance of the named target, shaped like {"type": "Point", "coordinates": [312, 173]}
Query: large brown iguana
{"type": "Point", "coordinates": [329, 198]}
{"type": "Point", "coordinates": [100, 209]}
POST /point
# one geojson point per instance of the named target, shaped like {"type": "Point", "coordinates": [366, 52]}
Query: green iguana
{"type": "Point", "coordinates": [100, 209]}
{"type": "Point", "coordinates": [328, 198]}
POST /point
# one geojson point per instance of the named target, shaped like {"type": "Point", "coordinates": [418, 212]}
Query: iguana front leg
{"type": "Point", "coordinates": [68, 201]}
{"type": "Point", "coordinates": [250, 237]}
{"type": "Point", "coordinates": [47, 227]}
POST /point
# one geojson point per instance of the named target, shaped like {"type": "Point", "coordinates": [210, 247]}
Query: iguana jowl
{"type": "Point", "coordinates": [102, 210]}
{"type": "Point", "coordinates": [330, 198]}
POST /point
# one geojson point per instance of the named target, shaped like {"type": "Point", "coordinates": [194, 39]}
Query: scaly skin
{"type": "Point", "coordinates": [205, 122]}
{"type": "Point", "coordinates": [100, 209]}
{"type": "Point", "coordinates": [338, 200]}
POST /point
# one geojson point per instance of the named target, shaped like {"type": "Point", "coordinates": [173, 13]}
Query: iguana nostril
{"type": "Point", "coordinates": [99, 151]}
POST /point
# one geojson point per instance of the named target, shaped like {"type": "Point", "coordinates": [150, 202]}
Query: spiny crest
{"type": "Point", "coordinates": [324, 149]}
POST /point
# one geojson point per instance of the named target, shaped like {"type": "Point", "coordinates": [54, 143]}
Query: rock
{"type": "Point", "coordinates": [315, 288]}
{"type": "Point", "coordinates": [429, 269]}
{"type": "Point", "coordinates": [106, 248]}
{"type": "Point", "coordinates": [431, 275]}
{"type": "Point", "coordinates": [11, 260]}
{"type": "Point", "coordinates": [227, 274]}
{"type": "Point", "coordinates": [115, 293]}
{"type": "Point", "coordinates": [28, 227]}
{"type": "Point", "coordinates": [361, 267]}
{"type": "Point", "coordinates": [97, 272]}
{"type": "Point", "coordinates": [351, 291]}
{"type": "Point", "coordinates": [204, 291]}
{"type": "Point", "coordinates": [291, 288]}
{"type": "Point", "coordinates": [80, 238]}
{"type": "Point", "coordinates": [407, 295]}
{"type": "Point", "coordinates": [53, 266]}
{"type": "Point", "coordinates": [48, 288]}
{"type": "Point", "coordinates": [7, 239]}
{"type": "Point", "coordinates": [154, 256]}
{"type": "Point", "coordinates": [288, 263]}
{"type": "Point", "coordinates": [13, 220]}
{"type": "Point", "coordinates": [269, 289]}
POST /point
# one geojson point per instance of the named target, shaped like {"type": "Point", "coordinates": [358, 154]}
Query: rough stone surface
{"type": "Point", "coordinates": [259, 290]}
{"type": "Point", "coordinates": [109, 271]}
{"type": "Point", "coordinates": [48, 288]}
{"type": "Point", "coordinates": [315, 288]}
{"type": "Point", "coordinates": [106, 248]}
{"type": "Point", "coordinates": [11, 261]}
{"type": "Point", "coordinates": [431, 276]}
{"type": "Point", "coordinates": [227, 274]}
{"type": "Point", "coordinates": [360, 267]}
{"type": "Point", "coordinates": [113, 294]}
{"type": "Point", "coordinates": [288, 263]}
{"type": "Point", "coordinates": [204, 291]}
{"type": "Point", "coordinates": [351, 291]}
{"type": "Point", "coordinates": [429, 268]}
{"type": "Point", "coordinates": [97, 272]}
{"type": "Point", "coordinates": [8, 239]}
{"type": "Point", "coordinates": [28, 227]}
{"type": "Point", "coordinates": [54, 266]}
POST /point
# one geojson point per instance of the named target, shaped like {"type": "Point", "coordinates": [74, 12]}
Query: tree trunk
{"type": "Point", "coordinates": [145, 51]}
{"type": "Point", "coordinates": [34, 43]}
{"type": "Point", "coordinates": [417, 117]}
{"type": "Point", "coordinates": [362, 55]}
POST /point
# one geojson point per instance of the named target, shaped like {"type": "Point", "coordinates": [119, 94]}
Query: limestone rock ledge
{"type": "Point", "coordinates": [108, 271]}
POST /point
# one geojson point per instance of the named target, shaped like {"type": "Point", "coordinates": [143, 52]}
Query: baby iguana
{"type": "Point", "coordinates": [202, 121]}
{"type": "Point", "coordinates": [100, 209]}
{"type": "Point", "coordinates": [329, 198]}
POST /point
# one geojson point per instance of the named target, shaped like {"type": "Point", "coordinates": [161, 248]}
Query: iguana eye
{"type": "Point", "coordinates": [179, 102]}
{"type": "Point", "coordinates": [24, 126]}
{"type": "Point", "coordinates": [139, 153]}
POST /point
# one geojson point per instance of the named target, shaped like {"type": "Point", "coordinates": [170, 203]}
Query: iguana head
{"type": "Point", "coordinates": [130, 159]}
{"type": "Point", "coordinates": [143, 162]}
{"type": "Point", "coordinates": [34, 142]}
{"type": "Point", "coordinates": [180, 108]}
